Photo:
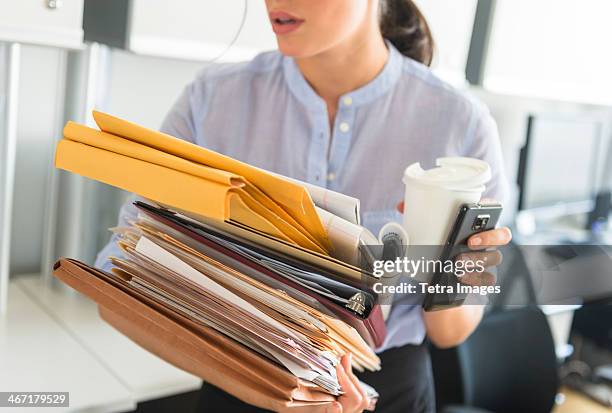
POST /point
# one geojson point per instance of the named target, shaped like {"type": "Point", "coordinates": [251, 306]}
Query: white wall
{"type": "Point", "coordinates": [552, 49]}
{"type": "Point", "coordinates": [451, 23]}
{"type": "Point", "coordinates": [200, 29]}
{"type": "Point", "coordinates": [143, 89]}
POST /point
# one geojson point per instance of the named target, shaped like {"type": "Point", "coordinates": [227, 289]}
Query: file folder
{"type": "Point", "coordinates": [199, 350]}
{"type": "Point", "coordinates": [175, 172]}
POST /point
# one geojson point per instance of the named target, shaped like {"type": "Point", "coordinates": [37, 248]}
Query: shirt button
{"type": "Point", "coordinates": [344, 127]}
{"type": "Point", "coordinates": [331, 176]}
{"type": "Point", "coordinates": [348, 101]}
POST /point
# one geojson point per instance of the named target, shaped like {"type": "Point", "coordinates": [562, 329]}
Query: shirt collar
{"type": "Point", "coordinates": [377, 87]}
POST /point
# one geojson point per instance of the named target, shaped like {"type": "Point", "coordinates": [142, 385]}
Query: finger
{"type": "Point", "coordinates": [335, 407]}
{"type": "Point", "coordinates": [400, 207]}
{"type": "Point", "coordinates": [485, 259]}
{"type": "Point", "coordinates": [332, 407]}
{"type": "Point", "coordinates": [487, 201]}
{"type": "Point", "coordinates": [476, 279]}
{"type": "Point", "coordinates": [351, 399]}
{"type": "Point", "coordinates": [347, 364]}
{"type": "Point", "coordinates": [493, 238]}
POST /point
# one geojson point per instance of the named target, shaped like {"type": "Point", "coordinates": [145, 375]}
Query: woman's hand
{"type": "Point", "coordinates": [354, 399]}
{"type": "Point", "coordinates": [497, 237]}
{"type": "Point", "coordinates": [482, 249]}
{"type": "Point", "coordinates": [449, 328]}
{"type": "Point", "coordinates": [481, 245]}
{"type": "Point", "coordinates": [478, 243]}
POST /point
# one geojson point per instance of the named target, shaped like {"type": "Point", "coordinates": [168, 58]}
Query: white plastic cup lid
{"type": "Point", "coordinates": [453, 173]}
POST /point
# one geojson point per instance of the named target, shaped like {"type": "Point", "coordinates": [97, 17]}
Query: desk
{"type": "Point", "coordinates": [54, 340]}
{"type": "Point", "coordinates": [146, 376]}
{"type": "Point", "coordinates": [37, 354]}
{"type": "Point", "coordinates": [578, 403]}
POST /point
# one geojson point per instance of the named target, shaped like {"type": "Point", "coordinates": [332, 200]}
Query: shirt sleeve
{"type": "Point", "coordinates": [127, 213]}
{"type": "Point", "coordinates": [179, 122]}
{"type": "Point", "coordinates": [485, 144]}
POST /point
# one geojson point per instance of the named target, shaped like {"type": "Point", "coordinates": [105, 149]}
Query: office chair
{"type": "Point", "coordinates": [508, 365]}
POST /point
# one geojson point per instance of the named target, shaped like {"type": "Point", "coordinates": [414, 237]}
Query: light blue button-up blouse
{"type": "Point", "coordinates": [265, 113]}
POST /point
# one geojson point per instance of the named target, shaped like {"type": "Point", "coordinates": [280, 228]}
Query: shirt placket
{"type": "Point", "coordinates": [317, 157]}
{"type": "Point", "coordinates": [341, 141]}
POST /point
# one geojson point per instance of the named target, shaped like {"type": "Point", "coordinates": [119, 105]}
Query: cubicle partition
{"type": "Point", "coordinates": [9, 82]}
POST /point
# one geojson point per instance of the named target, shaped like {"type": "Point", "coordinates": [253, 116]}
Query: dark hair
{"type": "Point", "coordinates": [403, 24]}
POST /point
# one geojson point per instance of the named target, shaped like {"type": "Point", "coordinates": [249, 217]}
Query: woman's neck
{"type": "Point", "coordinates": [345, 67]}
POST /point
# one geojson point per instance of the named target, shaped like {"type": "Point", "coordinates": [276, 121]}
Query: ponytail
{"type": "Point", "coordinates": [403, 24]}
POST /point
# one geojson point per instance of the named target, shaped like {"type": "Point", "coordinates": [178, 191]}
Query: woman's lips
{"type": "Point", "coordinates": [283, 23]}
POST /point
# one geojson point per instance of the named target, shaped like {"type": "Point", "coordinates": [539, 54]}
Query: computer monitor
{"type": "Point", "coordinates": [559, 163]}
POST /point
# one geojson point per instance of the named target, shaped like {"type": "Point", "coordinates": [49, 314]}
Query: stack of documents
{"type": "Point", "coordinates": [228, 271]}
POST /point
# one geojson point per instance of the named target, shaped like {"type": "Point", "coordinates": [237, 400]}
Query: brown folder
{"type": "Point", "coordinates": [189, 346]}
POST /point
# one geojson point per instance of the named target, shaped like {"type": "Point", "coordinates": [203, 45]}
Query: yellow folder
{"type": "Point", "coordinates": [250, 195]}
{"type": "Point", "coordinates": [145, 166]}
{"type": "Point", "coordinates": [293, 198]}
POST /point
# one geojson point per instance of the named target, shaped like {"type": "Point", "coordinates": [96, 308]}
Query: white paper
{"type": "Point", "coordinates": [344, 206]}
{"type": "Point", "coordinates": [156, 253]}
{"type": "Point", "coordinates": [345, 236]}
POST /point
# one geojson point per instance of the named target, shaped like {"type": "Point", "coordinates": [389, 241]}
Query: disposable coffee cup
{"type": "Point", "coordinates": [433, 197]}
{"type": "Point", "coordinates": [432, 200]}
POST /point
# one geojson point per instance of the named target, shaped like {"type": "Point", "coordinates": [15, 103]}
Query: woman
{"type": "Point", "coordinates": [348, 102]}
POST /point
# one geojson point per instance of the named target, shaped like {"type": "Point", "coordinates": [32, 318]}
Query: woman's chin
{"type": "Point", "coordinates": [294, 49]}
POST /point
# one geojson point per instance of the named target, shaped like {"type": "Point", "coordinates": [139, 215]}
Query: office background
{"type": "Point", "coordinates": [523, 58]}
{"type": "Point", "coordinates": [542, 56]}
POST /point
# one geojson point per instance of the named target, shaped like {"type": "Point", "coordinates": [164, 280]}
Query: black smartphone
{"type": "Point", "coordinates": [471, 219]}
